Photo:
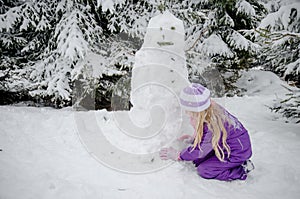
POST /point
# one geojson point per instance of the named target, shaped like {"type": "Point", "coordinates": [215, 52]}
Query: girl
{"type": "Point", "coordinates": [220, 147]}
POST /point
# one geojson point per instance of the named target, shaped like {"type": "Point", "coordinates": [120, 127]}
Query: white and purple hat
{"type": "Point", "coordinates": [195, 97]}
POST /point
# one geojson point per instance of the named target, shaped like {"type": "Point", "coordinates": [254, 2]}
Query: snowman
{"type": "Point", "coordinates": [159, 72]}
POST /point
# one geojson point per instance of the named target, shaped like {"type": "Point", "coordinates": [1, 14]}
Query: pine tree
{"type": "Point", "coordinates": [290, 106]}
{"type": "Point", "coordinates": [280, 30]}
{"type": "Point", "coordinates": [226, 37]}
{"type": "Point", "coordinates": [48, 46]}
{"type": "Point", "coordinates": [20, 43]}
{"type": "Point", "coordinates": [216, 31]}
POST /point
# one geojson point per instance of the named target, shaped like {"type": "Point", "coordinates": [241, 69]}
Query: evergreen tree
{"type": "Point", "coordinates": [280, 30]}
{"type": "Point", "coordinates": [47, 46]}
{"type": "Point", "coordinates": [225, 36]}
{"type": "Point", "coordinates": [216, 31]}
{"type": "Point", "coordinates": [290, 106]}
{"type": "Point", "coordinates": [22, 37]}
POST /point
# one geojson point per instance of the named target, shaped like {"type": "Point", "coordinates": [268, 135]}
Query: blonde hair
{"type": "Point", "coordinates": [215, 119]}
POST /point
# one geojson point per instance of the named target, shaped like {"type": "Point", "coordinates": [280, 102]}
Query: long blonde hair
{"type": "Point", "coordinates": [215, 118]}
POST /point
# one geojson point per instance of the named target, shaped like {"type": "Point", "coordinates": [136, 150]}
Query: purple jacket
{"type": "Point", "coordinates": [237, 139]}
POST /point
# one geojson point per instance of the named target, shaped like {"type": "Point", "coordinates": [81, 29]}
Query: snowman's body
{"type": "Point", "coordinates": [160, 71]}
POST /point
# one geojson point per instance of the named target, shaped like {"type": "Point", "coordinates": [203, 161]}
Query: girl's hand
{"type": "Point", "coordinates": [187, 139]}
{"type": "Point", "coordinates": [169, 153]}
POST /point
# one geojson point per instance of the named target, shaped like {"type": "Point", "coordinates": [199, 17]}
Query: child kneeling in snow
{"type": "Point", "coordinates": [221, 146]}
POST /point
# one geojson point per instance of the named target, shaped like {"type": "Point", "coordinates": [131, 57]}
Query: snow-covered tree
{"type": "Point", "coordinates": [225, 36]}
{"type": "Point", "coordinates": [280, 31]}
{"type": "Point", "coordinates": [47, 45]}
{"type": "Point", "coordinates": [216, 31]}
{"type": "Point", "coordinates": [225, 25]}
{"type": "Point", "coordinates": [20, 41]}
{"type": "Point", "coordinates": [289, 107]}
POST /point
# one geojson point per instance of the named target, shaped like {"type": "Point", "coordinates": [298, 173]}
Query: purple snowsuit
{"type": "Point", "coordinates": [207, 163]}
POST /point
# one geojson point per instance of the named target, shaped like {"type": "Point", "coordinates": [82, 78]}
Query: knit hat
{"type": "Point", "coordinates": [195, 97]}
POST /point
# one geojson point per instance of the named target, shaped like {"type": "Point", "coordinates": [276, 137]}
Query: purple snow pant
{"type": "Point", "coordinates": [213, 168]}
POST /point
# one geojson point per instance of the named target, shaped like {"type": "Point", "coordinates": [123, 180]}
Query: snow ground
{"type": "Point", "coordinates": [43, 157]}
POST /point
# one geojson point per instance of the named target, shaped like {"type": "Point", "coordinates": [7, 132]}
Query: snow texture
{"type": "Point", "coordinates": [245, 8]}
{"type": "Point", "coordinates": [262, 83]}
{"type": "Point", "coordinates": [159, 72]}
{"type": "Point", "coordinates": [228, 20]}
{"type": "Point", "coordinates": [70, 41]}
{"type": "Point", "coordinates": [214, 45]}
{"type": "Point", "coordinates": [291, 67]}
{"type": "Point", "coordinates": [42, 155]}
{"type": "Point", "coordinates": [237, 41]}
{"type": "Point", "coordinates": [109, 4]}
{"type": "Point", "coordinates": [25, 14]}
{"type": "Point", "coordinates": [282, 18]}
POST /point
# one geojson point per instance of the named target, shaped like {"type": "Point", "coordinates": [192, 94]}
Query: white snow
{"type": "Point", "coordinates": [43, 155]}
{"type": "Point", "coordinates": [25, 24]}
{"type": "Point", "coordinates": [228, 20]}
{"type": "Point", "coordinates": [6, 42]}
{"type": "Point", "coordinates": [159, 72]}
{"type": "Point", "coordinates": [43, 24]}
{"type": "Point", "coordinates": [282, 16]}
{"type": "Point", "coordinates": [291, 67]}
{"type": "Point", "coordinates": [94, 65]}
{"type": "Point", "coordinates": [109, 4]}
{"type": "Point", "coordinates": [214, 45]}
{"type": "Point", "coordinates": [238, 41]}
{"type": "Point", "coordinates": [9, 18]}
{"type": "Point", "coordinates": [245, 7]}
{"type": "Point", "coordinates": [70, 41]}
{"type": "Point", "coordinates": [62, 154]}
{"type": "Point", "coordinates": [262, 83]}
{"type": "Point", "coordinates": [166, 32]}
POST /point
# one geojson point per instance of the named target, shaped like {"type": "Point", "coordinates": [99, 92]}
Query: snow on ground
{"type": "Point", "coordinates": [43, 157]}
